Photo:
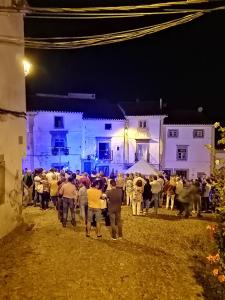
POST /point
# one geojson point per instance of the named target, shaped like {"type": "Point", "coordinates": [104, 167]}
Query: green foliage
{"type": "Point", "coordinates": [219, 196]}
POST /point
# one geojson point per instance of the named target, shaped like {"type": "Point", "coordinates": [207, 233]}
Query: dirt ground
{"type": "Point", "coordinates": [155, 260]}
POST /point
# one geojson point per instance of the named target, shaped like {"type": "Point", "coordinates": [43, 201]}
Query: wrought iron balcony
{"type": "Point", "coordinates": [60, 151]}
{"type": "Point", "coordinates": [105, 155]}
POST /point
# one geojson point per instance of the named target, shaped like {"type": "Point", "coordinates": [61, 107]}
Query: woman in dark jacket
{"type": "Point", "coordinates": [147, 196]}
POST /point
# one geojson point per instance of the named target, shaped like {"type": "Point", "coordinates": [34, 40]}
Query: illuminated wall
{"type": "Point", "coordinates": [82, 139]}
{"type": "Point", "coordinates": [149, 135]}
{"type": "Point", "coordinates": [12, 128]}
{"type": "Point", "coordinates": [198, 158]}
{"type": "Point", "coordinates": [41, 130]}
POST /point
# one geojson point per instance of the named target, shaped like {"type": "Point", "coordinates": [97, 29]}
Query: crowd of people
{"type": "Point", "coordinates": [101, 197]}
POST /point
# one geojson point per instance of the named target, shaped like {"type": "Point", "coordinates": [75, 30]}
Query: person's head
{"type": "Point", "coordinates": [208, 180]}
{"type": "Point", "coordinates": [53, 176]}
{"type": "Point", "coordinates": [70, 179]}
{"type": "Point", "coordinates": [113, 183]}
{"type": "Point", "coordinates": [78, 172]}
{"type": "Point", "coordinates": [147, 181]}
{"type": "Point", "coordinates": [83, 184]}
{"type": "Point", "coordinates": [139, 183]}
{"type": "Point", "coordinates": [197, 183]}
{"type": "Point", "coordinates": [29, 172]}
{"type": "Point", "coordinates": [155, 177]}
{"type": "Point", "coordinates": [43, 176]}
{"type": "Point", "coordinates": [95, 184]}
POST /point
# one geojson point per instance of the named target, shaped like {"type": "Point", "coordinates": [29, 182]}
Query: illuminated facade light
{"type": "Point", "coordinates": [26, 67]}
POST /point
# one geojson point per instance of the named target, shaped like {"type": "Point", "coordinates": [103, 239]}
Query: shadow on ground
{"type": "Point", "coordinates": [166, 217]}
{"type": "Point", "coordinates": [134, 248]}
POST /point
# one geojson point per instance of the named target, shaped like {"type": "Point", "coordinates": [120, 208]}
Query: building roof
{"type": "Point", "coordinates": [147, 108]}
{"type": "Point", "coordinates": [186, 117]}
{"type": "Point", "coordinates": [91, 109]}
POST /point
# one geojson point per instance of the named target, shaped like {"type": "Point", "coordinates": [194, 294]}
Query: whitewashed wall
{"type": "Point", "coordinates": [152, 132]}
{"type": "Point", "coordinates": [12, 129]}
{"type": "Point", "coordinates": [43, 124]}
{"type": "Point", "coordinates": [199, 159]}
{"type": "Point", "coordinates": [96, 128]}
{"type": "Point", "coordinates": [81, 139]}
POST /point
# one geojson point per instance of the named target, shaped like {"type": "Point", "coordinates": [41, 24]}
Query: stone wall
{"type": "Point", "coordinates": [12, 127]}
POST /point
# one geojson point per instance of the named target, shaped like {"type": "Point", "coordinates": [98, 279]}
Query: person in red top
{"type": "Point", "coordinates": [85, 180]}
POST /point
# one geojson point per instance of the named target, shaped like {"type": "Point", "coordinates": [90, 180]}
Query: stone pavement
{"type": "Point", "coordinates": [43, 260]}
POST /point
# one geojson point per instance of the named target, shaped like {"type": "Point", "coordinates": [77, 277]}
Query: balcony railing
{"type": "Point", "coordinates": [139, 156]}
{"type": "Point", "coordinates": [105, 155]}
{"type": "Point", "coordinates": [60, 151]}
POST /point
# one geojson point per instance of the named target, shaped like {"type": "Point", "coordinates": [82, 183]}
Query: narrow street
{"type": "Point", "coordinates": [155, 260]}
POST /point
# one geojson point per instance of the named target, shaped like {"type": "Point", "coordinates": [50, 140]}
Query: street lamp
{"type": "Point", "coordinates": [26, 67]}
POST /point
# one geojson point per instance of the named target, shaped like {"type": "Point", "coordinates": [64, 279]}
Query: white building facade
{"type": "Point", "coordinates": [185, 152]}
{"type": "Point", "coordinates": [113, 137]}
{"type": "Point", "coordinates": [106, 140]}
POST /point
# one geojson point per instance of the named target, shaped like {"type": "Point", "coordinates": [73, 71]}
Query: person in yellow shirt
{"type": "Point", "coordinates": [53, 183]}
{"type": "Point", "coordinates": [94, 208]}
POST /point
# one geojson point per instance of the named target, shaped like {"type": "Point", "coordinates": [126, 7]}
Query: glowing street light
{"type": "Point", "coordinates": [26, 67]}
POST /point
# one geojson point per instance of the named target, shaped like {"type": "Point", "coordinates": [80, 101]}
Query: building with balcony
{"type": "Point", "coordinates": [88, 134]}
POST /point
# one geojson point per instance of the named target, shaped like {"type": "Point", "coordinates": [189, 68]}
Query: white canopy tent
{"type": "Point", "coordinates": [142, 167]}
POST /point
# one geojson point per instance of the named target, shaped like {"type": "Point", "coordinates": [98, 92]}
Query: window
{"type": "Point", "coordinates": [58, 122]}
{"type": "Point", "coordinates": [173, 133]}
{"type": "Point", "coordinates": [182, 152]}
{"type": "Point", "coordinates": [108, 126]}
{"type": "Point", "coordinates": [198, 133]}
{"type": "Point", "coordinates": [182, 173]}
{"type": "Point", "coordinates": [59, 142]}
{"type": "Point", "coordinates": [142, 124]}
{"type": "Point", "coordinates": [104, 151]}
{"type": "Point", "coordinates": [168, 172]}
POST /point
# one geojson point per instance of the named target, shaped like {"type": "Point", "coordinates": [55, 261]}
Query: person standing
{"type": "Point", "coordinates": [115, 197]}
{"type": "Point", "coordinates": [147, 196]}
{"type": "Point", "coordinates": [28, 187]}
{"type": "Point", "coordinates": [156, 188]}
{"type": "Point", "coordinates": [83, 201]}
{"type": "Point", "coordinates": [69, 196]}
{"type": "Point", "coordinates": [129, 190]}
{"type": "Point", "coordinates": [206, 192]}
{"type": "Point", "coordinates": [38, 186]}
{"type": "Point", "coordinates": [45, 194]}
{"type": "Point", "coordinates": [171, 193]}
{"type": "Point", "coordinates": [53, 184]}
{"type": "Point", "coordinates": [137, 198]}
{"type": "Point", "coordinates": [94, 208]}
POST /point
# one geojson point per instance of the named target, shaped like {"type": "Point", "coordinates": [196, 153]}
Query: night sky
{"type": "Point", "coordinates": [184, 65]}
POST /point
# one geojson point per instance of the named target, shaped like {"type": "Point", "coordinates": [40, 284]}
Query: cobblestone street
{"type": "Point", "coordinates": [43, 260]}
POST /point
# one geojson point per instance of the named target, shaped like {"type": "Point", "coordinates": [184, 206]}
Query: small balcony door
{"type": "Point", "coordinates": [142, 151]}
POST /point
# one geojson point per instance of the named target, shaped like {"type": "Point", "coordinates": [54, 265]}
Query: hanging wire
{"type": "Point", "coordinates": [70, 16]}
{"type": "Point", "coordinates": [103, 39]}
{"type": "Point", "coordinates": [111, 37]}
{"type": "Point", "coordinates": [115, 8]}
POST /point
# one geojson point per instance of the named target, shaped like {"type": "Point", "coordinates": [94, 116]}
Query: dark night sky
{"type": "Point", "coordinates": [185, 62]}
